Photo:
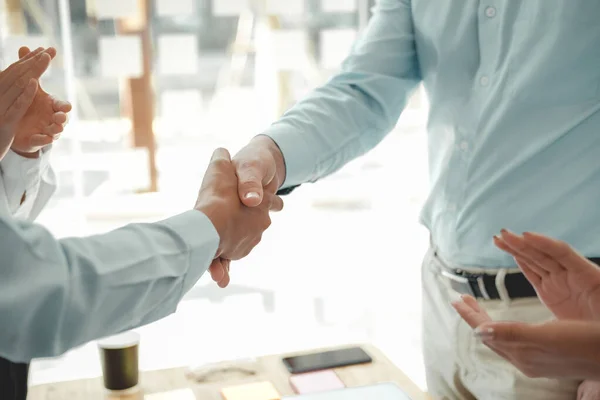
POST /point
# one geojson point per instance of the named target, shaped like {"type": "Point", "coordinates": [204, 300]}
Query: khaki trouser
{"type": "Point", "coordinates": [461, 367]}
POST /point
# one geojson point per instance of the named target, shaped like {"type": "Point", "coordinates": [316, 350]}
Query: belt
{"type": "Point", "coordinates": [483, 286]}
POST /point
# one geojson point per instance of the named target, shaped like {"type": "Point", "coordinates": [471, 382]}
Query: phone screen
{"type": "Point", "coordinates": [326, 360]}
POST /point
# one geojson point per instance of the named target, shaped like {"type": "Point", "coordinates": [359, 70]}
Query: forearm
{"type": "Point", "coordinates": [56, 295]}
{"type": "Point", "coordinates": [355, 110]}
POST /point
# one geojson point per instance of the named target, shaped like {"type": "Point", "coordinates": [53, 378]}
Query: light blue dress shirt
{"type": "Point", "coordinates": [58, 294]}
{"type": "Point", "coordinates": [514, 124]}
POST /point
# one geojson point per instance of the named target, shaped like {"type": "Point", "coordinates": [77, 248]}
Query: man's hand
{"type": "Point", "coordinates": [43, 122]}
{"type": "Point", "coordinates": [18, 88]}
{"type": "Point", "coordinates": [567, 283]}
{"type": "Point", "coordinates": [260, 169]}
{"type": "Point", "coordinates": [557, 349]}
{"type": "Point", "coordinates": [240, 228]}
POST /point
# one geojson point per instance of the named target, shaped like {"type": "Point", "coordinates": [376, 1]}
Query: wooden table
{"type": "Point", "coordinates": [269, 368]}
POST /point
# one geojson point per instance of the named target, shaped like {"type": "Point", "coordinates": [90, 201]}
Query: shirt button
{"type": "Point", "coordinates": [490, 12]}
{"type": "Point", "coordinates": [484, 81]}
{"type": "Point", "coordinates": [452, 207]}
{"type": "Point", "coordinates": [464, 145]}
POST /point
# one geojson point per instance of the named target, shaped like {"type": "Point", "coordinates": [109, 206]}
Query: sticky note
{"type": "Point", "coordinates": [339, 6]}
{"type": "Point", "coordinates": [314, 382]}
{"type": "Point", "coordinates": [121, 56]}
{"type": "Point", "coordinates": [181, 394]}
{"type": "Point", "coordinates": [252, 391]}
{"type": "Point", "coordinates": [175, 8]}
{"type": "Point", "coordinates": [290, 49]}
{"type": "Point", "coordinates": [178, 104]}
{"type": "Point", "coordinates": [228, 8]}
{"type": "Point", "coordinates": [335, 46]}
{"type": "Point", "coordinates": [109, 9]}
{"type": "Point", "coordinates": [178, 54]}
{"type": "Point", "coordinates": [285, 7]}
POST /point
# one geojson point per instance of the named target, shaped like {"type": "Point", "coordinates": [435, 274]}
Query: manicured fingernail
{"type": "Point", "coordinates": [252, 195]}
{"type": "Point", "coordinates": [484, 333]}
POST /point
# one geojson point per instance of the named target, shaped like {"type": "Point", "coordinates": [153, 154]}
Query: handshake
{"type": "Point", "coordinates": [237, 196]}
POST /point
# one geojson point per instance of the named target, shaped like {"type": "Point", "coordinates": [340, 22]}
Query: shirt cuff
{"type": "Point", "coordinates": [300, 159]}
{"type": "Point", "coordinates": [25, 170]}
{"type": "Point", "coordinates": [202, 241]}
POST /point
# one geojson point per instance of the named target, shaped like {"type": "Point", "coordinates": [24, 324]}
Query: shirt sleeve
{"type": "Point", "coordinates": [24, 180]}
{"type": "Point", "coordinates": [59, 294]}
{"type": "Point", "coordinates": [357, 108]}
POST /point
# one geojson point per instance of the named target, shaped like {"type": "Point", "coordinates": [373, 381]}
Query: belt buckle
{"type": "Point", "coordinates": [468, 282]}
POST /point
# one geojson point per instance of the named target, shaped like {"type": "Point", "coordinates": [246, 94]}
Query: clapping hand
{"type": "Point", "coordinates": [557, 349]}
{"type": "Point", "coordinates": [18, 89]}
{"type": "Point", "coordinates": [43, 121]}
{"type": "Point", "coordinates": [566, 282]}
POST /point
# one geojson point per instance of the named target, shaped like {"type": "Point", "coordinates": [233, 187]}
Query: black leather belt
{"type": "Point", "coordinates": [483, 286]}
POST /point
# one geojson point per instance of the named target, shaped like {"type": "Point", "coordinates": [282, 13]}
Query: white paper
{"type": "Point", "coordinates": [285, 7]}
{"type": "Point", "coordinates": [178, 54]}
{"type": "Point", "coordinates": [12, 44]}
{"type": "Point", "coordinates": [289, 49]}
{"type": "Point", "coordinates": [181, 103]}
{"type": "Point", "coordinates": [175, 8]}
{"type": "Point", "coordinates": [227, 8]}
{"type": "Point", "coordinates": [339, 5]}
{"type": "Point", "coordinates": [121, 56]}
{"type": "Point", "coordinates": [335, 46]}
{"type": "Point", "coordinates": [109, 9]}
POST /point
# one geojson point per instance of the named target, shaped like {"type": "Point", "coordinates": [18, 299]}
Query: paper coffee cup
{"type": "Point", "coordinates": [120, 361]}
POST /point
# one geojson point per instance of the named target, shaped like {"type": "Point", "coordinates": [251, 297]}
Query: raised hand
{"type": "Point", "coordinates": [240, 228]}
{"type": "Point", "coordinates": [566, 282]}
{"type": "Point", "coordinates": [44, 120]}
{"type": "Point", "coordinates": [557, 349]}
{"type": "Point", "coordinates": [18, 88]}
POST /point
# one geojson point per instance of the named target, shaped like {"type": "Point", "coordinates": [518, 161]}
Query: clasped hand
{"type": "Point", "coordinates": [240, 227]}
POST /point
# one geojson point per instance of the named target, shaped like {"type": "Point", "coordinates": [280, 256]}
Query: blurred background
{"type": "Point", "coordinates": [157, 85]}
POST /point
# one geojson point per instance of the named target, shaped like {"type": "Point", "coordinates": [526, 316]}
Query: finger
{"type": "Point", "coordinates": [40, 140]}
{"type": "Point", "coordinates": [53, 129]}
{"type": "Point", "coordinates": [23, 51]}
{"type": "Point", "coordinates": [220, 154]}
{"type": "Point", "coordinates": [529, 272]}
{"type": "Point", "coordinates": [217, 270]}
{"type": "Point", "coordinates": [19, 107]}
{"type": "Point", "coordinates": [62, 106]}
{"type": "Point", "coordinates": [60, 118]}
{"type": "Point", "coordinates": [523, 250]}
{"type": "Point", "coordinates": [471, 302]}
{"type": "Point", "coordinates": [502, 244]}
{"type": "Point", "coordinates": [559, 251]}
{"type": "Point", "coordinates": [31, 69]}
{"type": "Point", "coordinates": [251, 175]}
{"type": "Point", "coordinates": [223, 283]}
{"type": "Point", "coordinates": [275, 203]}
{"type": "Point", "coordinates": [470, 316]}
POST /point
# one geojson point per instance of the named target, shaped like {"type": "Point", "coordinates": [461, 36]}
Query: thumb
{"type": "Point", "coordinates": [250, 182]}
{"type": "Point", "coordinates": [220, 154]}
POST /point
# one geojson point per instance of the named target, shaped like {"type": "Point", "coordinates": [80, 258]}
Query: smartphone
{"type": "Point", "coordinates": [326, 360]}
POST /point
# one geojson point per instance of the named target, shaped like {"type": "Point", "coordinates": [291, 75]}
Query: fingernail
{"type": "Point", "coordinates": [252, 195]}
{"type": "Point", "coordinates": [484, 333]}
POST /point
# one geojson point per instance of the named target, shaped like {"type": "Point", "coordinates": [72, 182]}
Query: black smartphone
{"type": "Point", "coordinates": [326, 360]}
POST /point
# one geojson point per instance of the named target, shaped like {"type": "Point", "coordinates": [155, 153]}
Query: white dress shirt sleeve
{"type": "Point", "coordinates": [27, 184]}
{"type": "Point", "coordinates": [59, 294]}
